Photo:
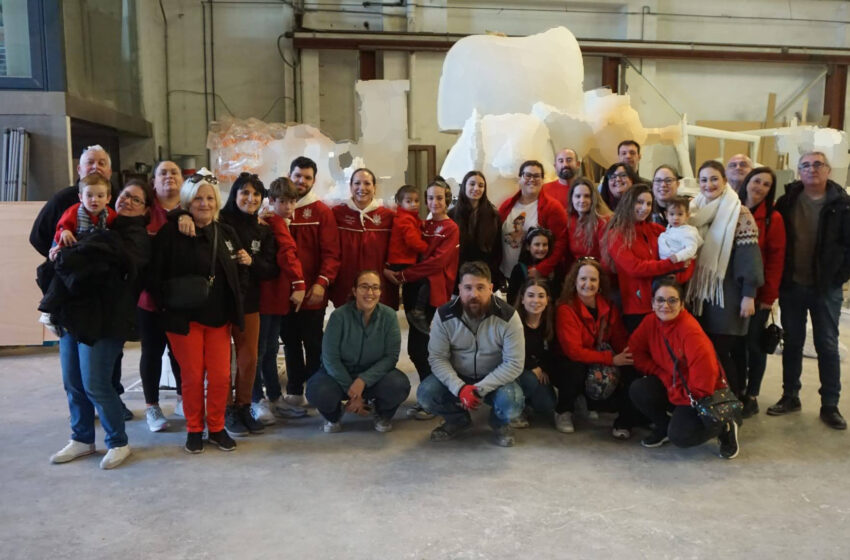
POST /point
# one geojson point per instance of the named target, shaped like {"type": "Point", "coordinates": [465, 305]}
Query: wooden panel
{"type": "Point", "coordinates": [20, 296]}
{"type": "Point", "coordinates": [709, 148]}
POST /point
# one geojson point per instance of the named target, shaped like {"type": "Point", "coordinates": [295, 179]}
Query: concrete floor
{"type": "Point", "coordinates": [296, 492]}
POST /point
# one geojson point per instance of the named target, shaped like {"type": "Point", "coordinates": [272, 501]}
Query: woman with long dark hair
{"type": "Point", "coordinates": [619, 178]}
{"type": "Point", "coordinates": [479, 225]}
{"type": "Point", "coordinates": [587, 216]}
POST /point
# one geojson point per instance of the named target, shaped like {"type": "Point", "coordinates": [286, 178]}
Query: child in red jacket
{"type": "Point", "coordinates": [90, 213]}
{"type": "Point", "coordinates": [406, 245]}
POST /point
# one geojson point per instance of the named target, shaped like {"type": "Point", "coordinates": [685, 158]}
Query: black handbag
{"type": "Point", "coordinates": [191, 291]}
{"type": "Point", "coordinates": [717, 409]}
{"type": "Point", "coordinates": [770, 336]}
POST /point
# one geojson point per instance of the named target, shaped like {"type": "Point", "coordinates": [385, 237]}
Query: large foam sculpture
{"type": "Point", "coordinates": [500, 75]}
{"type": "Point", "coordinates": [797, 140]}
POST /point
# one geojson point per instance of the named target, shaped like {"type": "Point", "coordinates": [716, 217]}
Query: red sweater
{"type": "Point", "coordinates": [772, 245]}
{"type": "Point", "coordinates": [439, 263]}
{"type": "Point", "coordinates": [697, 359]}
{"type": "Point", "coordinates": [577, 247]}
{"type": "Point", "coordinates": [550, 215]}
{"type": "Point", "coordinates": [313, 228]}
{"type": "Point", "coordinates": [578, 331]}
{"type": "Point", "coordinates": [406, 242]}
{"type": "Point", "coordinates": [638, 265]}
{"type": "Point", "coordinates": [274, 293]}
{"type": "Point", "coordinates": [69, 220]}
{"type": "Point", "coordinates": [363, 245]}
{"type": "Point", "coordinates": [559, 192]}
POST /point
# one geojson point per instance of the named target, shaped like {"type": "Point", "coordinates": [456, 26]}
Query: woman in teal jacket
{"type": "Point", "coordinates": [359, 356]}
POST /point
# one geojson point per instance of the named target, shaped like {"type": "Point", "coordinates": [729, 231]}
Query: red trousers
{"type": "Point", "coordinates": [246, 359]}
{"type": "Point", "coordinates": [203, 349]}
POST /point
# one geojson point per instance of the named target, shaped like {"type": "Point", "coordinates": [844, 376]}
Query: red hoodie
{"type": "Point", "coordinates": [406, 242]}
{"type": "Point", "coordinates": [577, 247]}
{"type": "Point", "coordinates": [697, 359]}
{"type": "Point", "coordinates": [559, 192]}
{"type": "Point", "coordinates": [68, 220]}
{"type": "Point", "coordinates": [364, 239]}
{"type": "Point", "coordinates": [274, 293]}
{"type": "Point", "coordinates": [439, 263]}
{"type": "Point", "coordinates": [772, 245]}
{"type": "Point", "coordinates": [550, 215]}
{"type": "Point", "coordinates": [313, 228]}
{"type": "Point", "coordinates": [578, 331]}
{"type": "Point", "coordinates": [638, 265]}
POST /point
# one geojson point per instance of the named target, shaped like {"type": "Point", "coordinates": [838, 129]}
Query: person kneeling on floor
{"type": "Point", "coordinates": [476, 352]}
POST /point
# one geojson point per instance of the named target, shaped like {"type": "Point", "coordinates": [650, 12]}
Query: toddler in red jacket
{"type": "Point", "coordinates": [90, 213]}
{"type": "Point", "coordinates": [406, 244]}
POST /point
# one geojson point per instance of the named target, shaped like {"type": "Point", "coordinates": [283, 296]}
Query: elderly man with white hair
{"type": "Point", "coordinates": [737, 168]}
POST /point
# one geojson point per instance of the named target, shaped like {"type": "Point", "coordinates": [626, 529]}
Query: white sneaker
{"type": "Point", "coordinates": [283, 407]}
{"type": "Point", "coordinates": [115, 457]}
{"type": "Point", "coordinates": [178, 408]}
{"type": "Point", "coordinates": [262, 413]}
{"type": "Point", "coordinates": [331, 427]}
{"type": "Point", "coordinates": [295, 400]}
{"type": "Point", "coordinates": [73, 450]}
{"type": "Point", "coordinates": [156, 419]}
{"type": "Point", "coordinates": [564, 422]}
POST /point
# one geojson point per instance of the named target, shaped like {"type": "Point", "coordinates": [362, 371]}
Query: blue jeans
{"type": "Point", "coordinates": [87, 376]}
{"type": "Point", "coordinates": [506, 402]}
{"type": "Point", "coordinates": [539, 397]}
{"type": "Point", "coordinates": [327, 395]}
{"type": "Point", "coordinates": [267, 359]}
{"type": "Point", "coordinates": [795, 301]}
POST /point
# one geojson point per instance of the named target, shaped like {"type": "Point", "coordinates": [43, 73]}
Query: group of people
{"type": "Point", "coordinates": [623, 297]}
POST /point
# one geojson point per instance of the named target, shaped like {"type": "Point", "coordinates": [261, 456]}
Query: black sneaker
{"type": "Point", "coordinates": [751, 406]}
{"type": "Point", "coordinates": [244, 414]}
{"type": "Point", "coordinates": [233, 423]}
{"type": "Point", "coordinates": [728, 439]}
{"type": "Point", "coordinates": [654, 439]}
{"type": "Point", "coordinates": [222, 440]}
{"type": "Point", "coordinates": [785, 405]}
{"type": "Point", "coordinates": [194, 442]}
{"type": "Point", "coordinates": [128, 414]}
{"type": "Point", "coordinates": [445, 432]}
{"type": "Point", "coordinates": [832, 418]}
{"type": "Point", "coordinates": [419, 320]}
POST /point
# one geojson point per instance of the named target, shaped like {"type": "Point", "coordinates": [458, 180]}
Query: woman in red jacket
{"type": "Point", "coordinates": [439, 267]}
{"type": "Point", "coordinates": [757, 192]}
{"type": "Point", "coordinates": [672, 331]}
{"type": "Point", "coordinates": [632, 243]}
{"type": "Point", "coordinates": [592, 337]}
{"type": "Point", "coordinates": [587, 216]}
{"type": "Point", "coordinates": [364, 238]}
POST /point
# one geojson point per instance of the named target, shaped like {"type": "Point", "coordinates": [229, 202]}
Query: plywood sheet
{"type": "Point", "coordinates": [709, 148]}
{"type": "Point", "coordinates": [19, 295]}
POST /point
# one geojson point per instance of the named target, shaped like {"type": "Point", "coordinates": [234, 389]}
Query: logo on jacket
{"type": "Point", "coordinates": [308, 212]}
{"type": "Point", "coordinates": [377, 219]}
{"type": "Point", "coordinates": [349, 220]}
{"type": "Point", "coordinates": [438, 229]}
{"type": "Point", "coordinates": [229, 246]}
{"type": "Point", "coordinates": [255, 246]}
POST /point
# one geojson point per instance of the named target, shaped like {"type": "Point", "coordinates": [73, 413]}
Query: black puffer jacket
{"type": "Point", "coordinates": [831, 259]}
{"type": "Point", "coordinates": [97, 282]}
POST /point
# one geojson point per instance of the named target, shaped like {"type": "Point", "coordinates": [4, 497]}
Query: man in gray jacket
{"type": "Point", "coordinates": [476, 351]}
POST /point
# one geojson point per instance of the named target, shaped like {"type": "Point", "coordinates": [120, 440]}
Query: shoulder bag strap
{"type": "Point", "coordinates": [677, 373]}
{"type": "Point", "coordinates": [214, 252]}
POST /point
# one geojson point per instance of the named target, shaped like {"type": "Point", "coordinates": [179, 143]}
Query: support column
{"type": "Point", "coordinates": [834, 95]}
{"type": "Point", "coordinates": [309, 74]}
{"type": "Point", "coordinates": [611, 73]}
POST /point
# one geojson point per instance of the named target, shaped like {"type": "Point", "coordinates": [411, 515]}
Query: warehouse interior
{"type": "Point", "coordinates": [149, 80]}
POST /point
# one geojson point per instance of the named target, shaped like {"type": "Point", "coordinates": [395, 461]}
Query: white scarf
{"type": "Point", "coordinates": [307, 199]}
{"type": "Point", "coordinates": [716, 221]}
{"type": "Point", "coordinates": [364, 214]}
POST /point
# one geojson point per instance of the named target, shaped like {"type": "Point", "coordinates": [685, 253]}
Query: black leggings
{"type": "Point", "coordinates": [727, 348]}
{"type": "Point", "coordinates": [681, 423]}
{"type": "Point", "coordinates": [417, 342]}
{"type": "Point", "coordinates": [302, 332]}
{"type": "Point", "coordinates": [154, 343]}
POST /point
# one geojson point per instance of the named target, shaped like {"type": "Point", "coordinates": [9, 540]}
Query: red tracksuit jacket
{"type": "Point", "coordinates": [772, 245]}
{"type": "Point", "coordinates": [439, 263]}
{"type": "Point", "coordinates": [578, 331]}
{"type": "Point", "coordinates": [406, 241]}
{"type": "Point", "coordinates": [556, 191]}
{"type": "Point", "coordinates": [364, 239]}
{"type": "Point", "coordinates": [274, 293]}
{"type": "Point", "coordinates": [68, 220]}
{"type": "Point", "coordinates": [550, 215]}
{"type": "Point", "coordinates": [314, 230]}
{"type": "Point", "coordinates": [697, 359]}
{"type": "Point", "coordinates": [576, 247]}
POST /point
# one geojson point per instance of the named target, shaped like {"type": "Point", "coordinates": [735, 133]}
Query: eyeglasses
{"type": "Point", "coordinates": [666, 182]}
{"type": "Point", "coordinates": [738, 164]}
{"type": "Point", "coordinates": [671, 301]}
{"type": "Point", "coordinates": [132, 198]}
{"type": "Point", "coordinates": [369, 287]}
{"type": "Point", "coordinates": [817, 166]}
{"type": "Point", "coordinates": [532, 176]}
{"type": "Point", "coordinates": [198, 177]}
{"type": "Point", "coordinates": [620, 176]}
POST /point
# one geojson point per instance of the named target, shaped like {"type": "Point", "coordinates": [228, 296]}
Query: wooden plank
{"type": "Point", "coordinates": [20, 296]}
{"type": "Point", "coordinates": [709, 148]}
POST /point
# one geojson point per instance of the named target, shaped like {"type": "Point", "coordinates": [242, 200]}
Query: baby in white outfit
{"type": "Point", "coordinates": [680, 242]}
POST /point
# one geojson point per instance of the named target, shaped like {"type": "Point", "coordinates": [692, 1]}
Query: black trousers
{"type": "Point", "coordinates": [570, 379]}
{"type": "Point", "coordinates": [417, 342]}
{"type": "Point", "coordinates": [154, 343]}
{"type": "Point", "coordinates": [302, 333]}
{"type": "Point", "coordinates": [728, 351]}
{"type": "Point", "coordinates": [681, 423]}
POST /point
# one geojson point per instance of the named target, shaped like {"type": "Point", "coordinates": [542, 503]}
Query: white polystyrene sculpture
{"type": "Point", "coordinates": [496, 145]}
{"type": "Point", "coordinates": [566, 130]}
{"type": "Point", "coordinates": [613, 121]}
{"type": "Point", "coordinates": [500, 75]}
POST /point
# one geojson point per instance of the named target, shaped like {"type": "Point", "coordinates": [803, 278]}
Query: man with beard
{"type": "Point", "coordinates": [476, 352]}
{"type": "Point", "coordinates": [567, 166]}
